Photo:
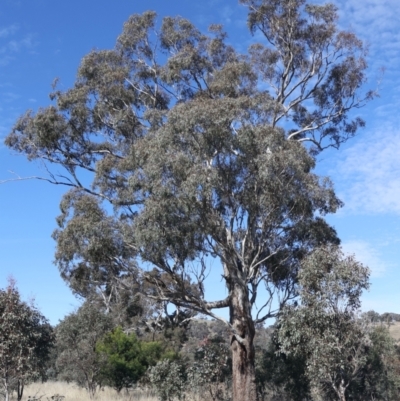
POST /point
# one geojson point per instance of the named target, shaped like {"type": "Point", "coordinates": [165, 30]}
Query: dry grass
{"type": "Point", "coordinates": [72, 392]}
{"type": "Point", "coordinates": [394, 330]}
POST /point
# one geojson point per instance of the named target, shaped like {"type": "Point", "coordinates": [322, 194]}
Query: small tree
{"type": "Point", "coordinates": [25, 341]}
{"type": "Point", "coordinates": [168, 379]}
{"type": "Point", "coordinates": [378, 379]}
{"type": "Point", "coordinates": [279, 375]}
{"type": "Point", "coordinates": [77, 336]}
{"type": "Point", "coordinates": [126, 359]}
{"type": "Point", "coordinates": [372, 316]}
{"type": "Point", "coordinates": [325, 327]}
{"type": "Point", "coordinates": [212, 369]}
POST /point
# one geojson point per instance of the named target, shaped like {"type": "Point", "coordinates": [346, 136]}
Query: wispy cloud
{"type": "Point", "coordinates": [370, 17]}
{"type": "Point", "coordinates": [17, 45]}
{"type": "Point", "coordinates": [8, 111]}
{"type": "Point", "coordinates": [5, 59]}
{"type": "Point", "coordinates": [7, 31]}
{"type": "Point", "coordinates": [368, 174]}
{"type": "Point", "coordinates": [9, 97]}
{"type": "Point", "coordinates": [367, 255]}
{"type": "Point", "coordinates": [227, 13]}
{"type": "Point", "coordinates": [377, 23]}
{"type": "Point", "coordinates": [11, 44]}
{"type": "Point", "coordinates": [14, 44]}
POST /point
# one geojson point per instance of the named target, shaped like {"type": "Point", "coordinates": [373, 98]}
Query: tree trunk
{"type": "Point", "coordinates": [20, 389]}
{"type": "Point", "coordinates": [243, 353]}
{"type": "Point", "coordinates": [6, 386]}
{"type": "Point", "coordinates": [342, 392]}
{"type": "Point", "coordinates": [243, 372]}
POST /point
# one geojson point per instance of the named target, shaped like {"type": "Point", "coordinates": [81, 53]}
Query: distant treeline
{"type": "Point", "coordinates": [387, 317]}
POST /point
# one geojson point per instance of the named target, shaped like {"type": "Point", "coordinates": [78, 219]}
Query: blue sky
{"type": "Point", "coordinates": [42, 39]}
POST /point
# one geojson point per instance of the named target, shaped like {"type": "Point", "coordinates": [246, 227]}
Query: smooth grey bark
{"type": "Point", "coordinates": [6, 388]}
{"type": "Point", "coordinates": [341, 392]}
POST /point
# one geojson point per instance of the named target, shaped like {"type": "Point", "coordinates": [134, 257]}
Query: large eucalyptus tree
{"type": "Point", "coordinates": [202, 153]}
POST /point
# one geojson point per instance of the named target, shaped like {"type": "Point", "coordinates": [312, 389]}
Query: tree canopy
{"type": "Point", "coordinates": [178, 149]}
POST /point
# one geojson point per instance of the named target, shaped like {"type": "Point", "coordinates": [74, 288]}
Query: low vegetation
{"type": "Point", "coordinates": [25, 342]}
{"type": "Point", "coordinates": [193, 362]}
{"type": "Point", "coordinates": [55, 391]}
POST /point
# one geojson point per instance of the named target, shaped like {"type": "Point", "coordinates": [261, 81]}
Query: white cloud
{"type": "Point", "coordinates": [8, 97]}
{"type": "Point", "coordinates": [226, 14]}
{"type": "Point", "coordinates": [26, 42]}
{"type": "Point", "coordinates": [376, 22]}
{"type": "Point", "coordinates": [7, 31]}
{"type": "Point", "coordinates": [10, 44]}
{"type": "Point", "coordinates": [368, 174]}
{"type": "Point", "coordinates": [367, 255]}
{"type": "Point", "coordinates": [6, 59]}
{"type": "Point", "coordinates": [370, 14]}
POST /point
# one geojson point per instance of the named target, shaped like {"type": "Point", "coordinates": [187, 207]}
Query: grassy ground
{"type": "Point", "coordinates": [394, 330]}
{"type": "Point", "coordinates": [51, 391]}
{"type": "Point", "coordinates": [71, 392]}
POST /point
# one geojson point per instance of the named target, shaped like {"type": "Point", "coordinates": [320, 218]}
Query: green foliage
{"type": "Point", "coordinates": [211, 372]}
{"type": "Point", "coordinates": [387, 318]}
{"type": "Point", "coordinates": [390, 317]}
{"type": "Point", "coordinates": [378, 379]}
{"type": "Point", "coordinates": [168, 379]}
{"type": "Point", "coordinates": [26, 339]}
{"type": "Point", "coordinates": [280, 375]}
{"type": "Point", "coordinates": [324, 328]}
{"type": "Point", "coordinates": [171, 329]}
{"type": "Point", "coordinates": [372, 316]}
{"type": "Point", "coordinates": [126, 359]}
{"type": "Point", "coordinates": [77, 335]}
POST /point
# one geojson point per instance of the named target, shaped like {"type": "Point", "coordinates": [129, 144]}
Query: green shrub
{"type": "Point", "coordinates": [126, 358]}
{"type": "Point", "coordinates": [168, 379]}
